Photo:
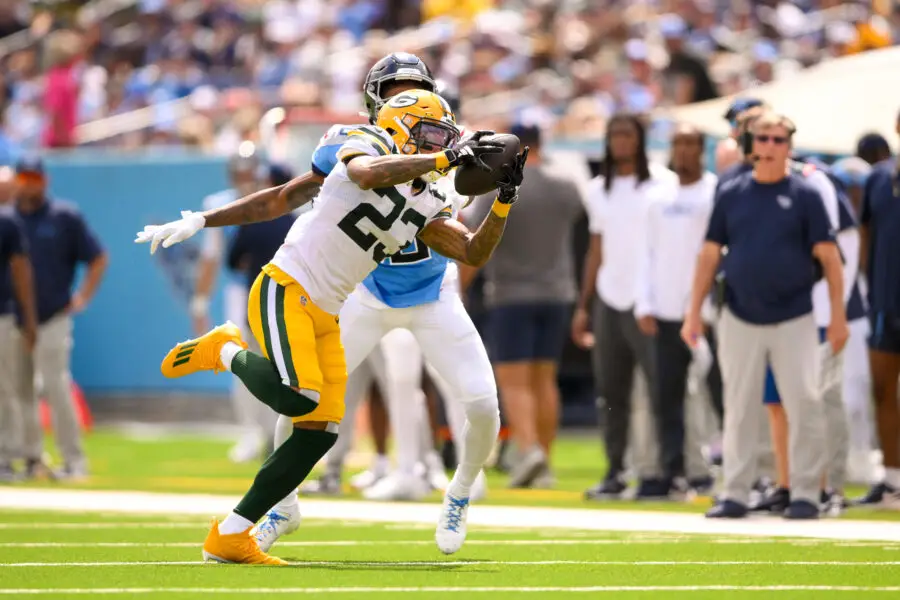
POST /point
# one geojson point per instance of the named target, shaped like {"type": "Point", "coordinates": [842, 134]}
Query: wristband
{"type": "Point", "coordinates": [199, 306]}
{"type": "Point", "coordinates": [441, 161]}
{"type": "Point", "coordinates": [501, 209]}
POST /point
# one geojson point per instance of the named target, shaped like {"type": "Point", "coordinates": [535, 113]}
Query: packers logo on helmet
{"type": "Point", "coordinates": [419, 121]}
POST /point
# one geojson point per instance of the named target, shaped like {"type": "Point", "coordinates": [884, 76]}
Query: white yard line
{"type": "Point", "coordinates": [478, 563]}
{"type": "Point", "coordinates": [435, 590]}
{"type": "Point", "coordinates": [493, 516]}
{"type": "Point", "coordinates": [476, 542]}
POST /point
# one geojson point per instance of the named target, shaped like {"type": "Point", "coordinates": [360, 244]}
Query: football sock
{"type": "Point", "coordinates": [478, 438]}
{"type": "Point", "coordinates": [284, 470]}
{"type": "Point", "coordinates": [261, 377]}
{"type": "Point", "coordinates": [283, 430]}
{"type": "Point", "coordinates": [234, 523]}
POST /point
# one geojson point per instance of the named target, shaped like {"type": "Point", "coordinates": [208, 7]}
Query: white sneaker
{"type": "Point", "coordinates": [451, 529]}
{"type": "Point", "coordinates": [398, 486]}
{"type": "Point", "coordinates": [434, 471]}
{"type": "Point", "coordinates": [247, 448]}
{"type": "Point", "coordinates": [275, 524]}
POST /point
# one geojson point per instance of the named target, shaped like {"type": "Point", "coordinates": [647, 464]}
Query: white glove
{"type": "Point", "coordinates": [171, 233]}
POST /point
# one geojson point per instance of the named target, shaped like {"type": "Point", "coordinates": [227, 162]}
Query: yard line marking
{"type": "Point", "coordinates": [433, 590]}
{"type": "Point", "coordinates": [109, 525]}
{"type": "Point", "coordinates": [350, 543]}
{"type": "Point", "coordinates": [581, 519]}
{"type": "Point", "coordinates": [438, 563]}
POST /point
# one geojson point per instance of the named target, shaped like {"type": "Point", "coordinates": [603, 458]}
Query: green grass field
{"type": "Point", "coordinates": [129, 556]}
{"type": "Point", "coordinates": [61, 551]}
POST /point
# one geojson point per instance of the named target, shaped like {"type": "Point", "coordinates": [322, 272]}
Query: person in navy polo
{"type": "Point", "coordinates": [880, 219]}
{"type": "Point", "coordinates": [16, 289]}
{"type": "Point", "coordinates": [780, 239]}
{"type": "Point", "coordinates": [59, 241]}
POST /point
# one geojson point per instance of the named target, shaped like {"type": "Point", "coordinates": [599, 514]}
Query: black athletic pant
{"type": "Point", "coordinates": [673, 358]}
{"type": "Point", "coordinates": [619, 346]}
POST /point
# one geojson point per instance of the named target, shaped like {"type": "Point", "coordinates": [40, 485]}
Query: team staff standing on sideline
{"type": "Point", "coordinates": [59, 240]}
{"type": "Point", "coordinates": [16, 289]}
{"type": "Point", "coordinates": [617, 204]}
{"type": "Point", "coordinates": [881, 239]}
{"type": "Point", "coordinates": [770, 273]}
{"type": "Point", "coordinates": [675, 230]}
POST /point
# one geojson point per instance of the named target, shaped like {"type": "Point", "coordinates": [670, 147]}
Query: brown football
{"type": "Point", "coordinates": [471, 180]}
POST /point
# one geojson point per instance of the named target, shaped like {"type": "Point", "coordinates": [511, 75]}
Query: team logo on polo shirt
{"type": "Point", "coordinates": [784, 202]}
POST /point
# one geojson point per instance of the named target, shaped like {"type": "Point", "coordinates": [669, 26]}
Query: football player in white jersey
{"type": "Point", "coordinates": [375, 202]}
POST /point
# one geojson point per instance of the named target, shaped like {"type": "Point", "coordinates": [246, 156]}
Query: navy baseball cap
{"type": "Point", "coordinates": [32, 165]}
{"type": "Point", "coordinates": [740, 105]}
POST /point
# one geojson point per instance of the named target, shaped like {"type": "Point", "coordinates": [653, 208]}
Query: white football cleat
{"type": "Point", "coordinates": [275, 524]}
{"type": "Point", "coordinates": [398, 486]}
{"type": "Point", "coordinates": [451, 529]}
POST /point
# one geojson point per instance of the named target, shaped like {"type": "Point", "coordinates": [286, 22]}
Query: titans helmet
{"type": "Point", "coordinates": [399, 66]}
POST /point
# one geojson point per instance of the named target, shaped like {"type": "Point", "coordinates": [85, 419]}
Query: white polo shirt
{"type": "Point", "coordinates": [675, 232]}
{"type": "Point", "coordinates": [619, 216]}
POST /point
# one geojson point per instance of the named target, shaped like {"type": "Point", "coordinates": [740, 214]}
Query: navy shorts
{"type": "Point", "coordinates": [885, 335]}
{"type": "Point", "coordinates": [527, 332]}
{"type": "Point", "coordinates": [771, 395]}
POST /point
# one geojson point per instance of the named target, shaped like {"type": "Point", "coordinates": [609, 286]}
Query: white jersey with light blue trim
{"type": "Point", "coordinates": [416, 274]}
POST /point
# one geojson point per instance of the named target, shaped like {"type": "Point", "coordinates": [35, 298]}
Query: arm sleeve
{"type": "Point", "coordinates": [819, 225]}
{"type": "Point", "coordinates": [644, 292]}
{"type": "Point", "coordinates": [12, 239]}
{"type": "Point", "coordinates": [819, 181]}
{"type": "Point", "coordinates": [717, 230]}
{"type": "Point", "coordinates": [87, 246]}
{"type": "Point", "coordinates": [595, 203]}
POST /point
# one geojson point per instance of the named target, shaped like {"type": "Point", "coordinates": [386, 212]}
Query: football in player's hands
{"type": "Point", "coordinates": [472, 180]}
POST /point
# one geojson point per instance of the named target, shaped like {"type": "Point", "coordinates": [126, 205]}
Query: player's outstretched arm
{"type": "Point", "coordinates": [264, 205]}
{"type": "Point", "coordinates": [373, 172]}
{"type": "Point", "coordinates": [454, 240]}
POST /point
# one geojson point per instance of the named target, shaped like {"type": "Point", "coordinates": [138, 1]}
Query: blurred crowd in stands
{"type": "Point", "coordinates": [209, 68]}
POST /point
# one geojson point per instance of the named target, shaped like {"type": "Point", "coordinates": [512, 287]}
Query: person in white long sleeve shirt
{"type": "Point", "coordinates": [676, 227]}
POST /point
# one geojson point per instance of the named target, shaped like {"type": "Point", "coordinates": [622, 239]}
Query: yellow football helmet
{"type": "Point", "coordinates": [419, 121]}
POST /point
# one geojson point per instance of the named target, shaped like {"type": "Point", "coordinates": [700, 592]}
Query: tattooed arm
{"type": "Point", "coordinates": [454, 240]}
{"type": "Point", "coordinates": [371, 172]}
{"type": "Point", "coordinates": [266, 204]}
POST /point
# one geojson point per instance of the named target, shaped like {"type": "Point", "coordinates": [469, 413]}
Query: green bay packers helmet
{"type": "Point", "coordinates": [419, 121]}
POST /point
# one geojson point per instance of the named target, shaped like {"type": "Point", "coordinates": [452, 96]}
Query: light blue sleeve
{"type": "Point", "coordinates": [324, 157]}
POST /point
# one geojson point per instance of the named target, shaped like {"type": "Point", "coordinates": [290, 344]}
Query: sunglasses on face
{"type": "Point", "coordinates": [775, 139]}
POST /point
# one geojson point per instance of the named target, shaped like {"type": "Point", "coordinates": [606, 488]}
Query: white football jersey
{"type": "Point", "coordinates": [336, 245]}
